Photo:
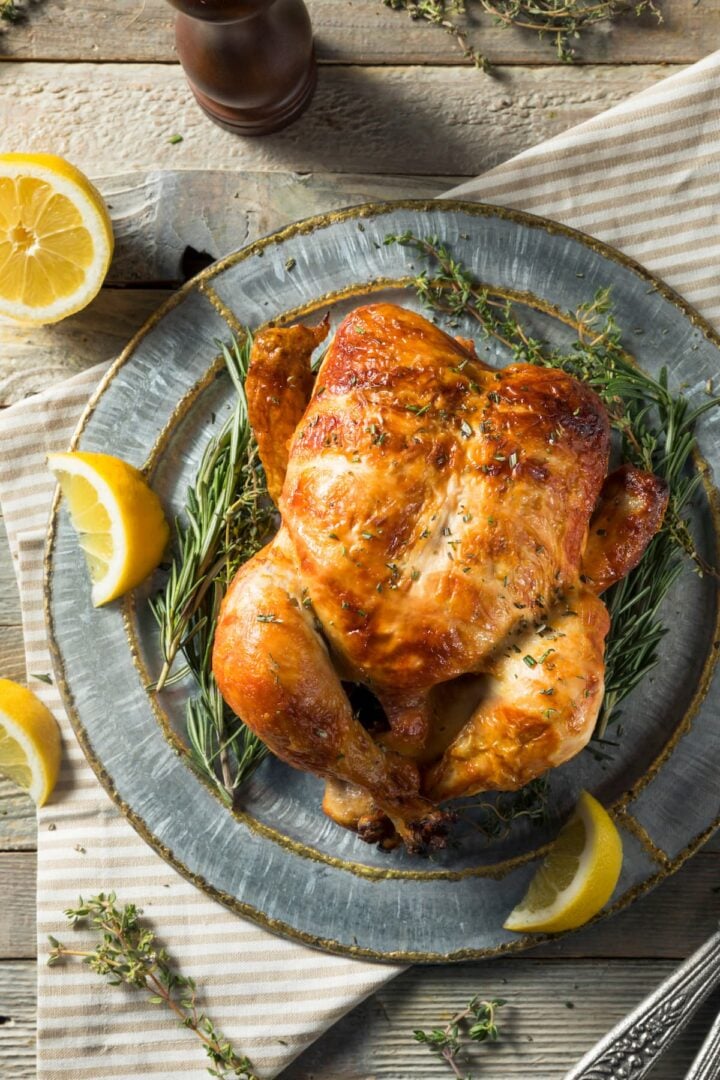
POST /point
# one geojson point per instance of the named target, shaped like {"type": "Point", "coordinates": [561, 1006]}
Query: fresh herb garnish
{"type": "Point", "coordinates": [559, 21]}
{"type": "Point", "coordinates": [128, 955]}
{"type": "Point", "coordinates": [228, 517]}
{"type": "Point", "coordinates": [476, 1022]}
{"type": "Point", "coordinates": [495, 819]}
{"type": "Point", "coordinates": [9, 11]}
{"type": "Point", "coordinates": [655, 427]}
{"type": "Point", "coordinates": [42, 677]}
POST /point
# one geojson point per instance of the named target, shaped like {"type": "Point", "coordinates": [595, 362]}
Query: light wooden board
{"type": "Point", "coordinates": [112, 118]}
{"type": "Point", "coordinates": [542, 1036]}
{"type": "Point", "coordinates": [158, 215]}
{"type": "Point", "coordinates": [33, 362]}
{"type": "Point", "coordinates": [555, 1013]}
{"type": "Point", "coordinates": [9, 598]}
{"type": "Point", "coordinates": [17, 1020]}
{"type": "Point", "coordinates": [18, 829]}
{"type": "Point", "coordinates": [355, 33]}
{"type": "Point", "coordinates": [17, 925]}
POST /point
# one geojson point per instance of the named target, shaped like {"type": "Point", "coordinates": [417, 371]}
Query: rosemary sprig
{"type": "Point", "coordinates": [127, 954]}
{"type": "Point", "coordinates": [227, 519]}
{"type": "Point", "coordinates": [475, 1022]}
{"type": "Point", "coordinates": [560, 21]}
{"type": "Point", "coordinates": [656, 431]}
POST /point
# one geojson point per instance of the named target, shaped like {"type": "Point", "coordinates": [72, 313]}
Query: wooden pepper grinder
{"type": "Point", "coordinates": [250, 63]}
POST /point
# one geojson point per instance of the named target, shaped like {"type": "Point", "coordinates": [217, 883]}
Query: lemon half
{"type": "Point", "coordinates": [577, 877]}
{"type": "Point", "coordinates": [29, 741]}
{"type": "Point", "coordinates": [56, 238]}
{"type": "Point", "coordinates": [119, 520]}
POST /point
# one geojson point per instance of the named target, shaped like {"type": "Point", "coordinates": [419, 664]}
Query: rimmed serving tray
{"type": "Point", "coordinates": [278, 860]}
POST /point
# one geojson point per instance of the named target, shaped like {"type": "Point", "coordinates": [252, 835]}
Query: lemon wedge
{"type": "Point", "coordinates": [56, 238]}
{"type": "Point", "coordinates": [118, 519]}
{"type": "Point", "coordinates": [29, 741]}
{"type": "Point", "coordinates": [577, 877]}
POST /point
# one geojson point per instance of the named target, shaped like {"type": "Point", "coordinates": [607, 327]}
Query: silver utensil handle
{"type": "Point", "coordinates": [706, 1065]}
{"type": "Point", "coordinates": [632, 1047]}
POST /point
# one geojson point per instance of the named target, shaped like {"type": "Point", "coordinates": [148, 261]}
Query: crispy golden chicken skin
{"type": "Point", "coordinates": [446, 530]}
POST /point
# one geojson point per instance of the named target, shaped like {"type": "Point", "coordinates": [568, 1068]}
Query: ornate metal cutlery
{"type": "Point", "coordinates": [629, 1051]}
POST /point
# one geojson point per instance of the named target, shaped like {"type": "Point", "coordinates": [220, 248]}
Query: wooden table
{"type": "Point", "coordinates": [395, 114]}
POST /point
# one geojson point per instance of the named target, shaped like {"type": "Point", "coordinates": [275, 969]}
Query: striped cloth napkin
{"type": "Point", "coordinates": [645, 177]}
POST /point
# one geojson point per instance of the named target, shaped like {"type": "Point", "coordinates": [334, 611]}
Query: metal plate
{"type": "Point", "coordinates": [279, 861]}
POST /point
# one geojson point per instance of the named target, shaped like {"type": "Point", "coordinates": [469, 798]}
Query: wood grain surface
{"type": "Point", "coordinates": [356, 33]}
{"type": "Point", "coordinates": [555, 1012]}
{"type": "Point", "coordinates": [394, 120]}
{"type": "Point", "coordinates": [396, 114]}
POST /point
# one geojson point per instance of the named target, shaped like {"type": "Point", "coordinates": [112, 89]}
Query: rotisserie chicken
{"type": "Point", "coordinates": [447, 529]}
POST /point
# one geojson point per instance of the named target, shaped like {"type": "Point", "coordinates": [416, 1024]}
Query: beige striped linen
{"type": "Point", "coordinates": [644, 176]}
{"type": "Point", "coordinates": [271, 997]}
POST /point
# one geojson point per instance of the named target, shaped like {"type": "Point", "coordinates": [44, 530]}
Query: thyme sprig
{"type": "Point", "coordinates": [443, 13]}
{"type": "Point", "coordinates": [227, 519]}
{"type": "Point", "coordinates": [128, 954]}
{"type": "Point", "coordinates": [495, 820]}
{"type": "Point", "coordinates": [656, 429]}
{"type": "Point", "coordinates": [476, 1022]}
{"type": "Point", "coordinates": [560, 21]}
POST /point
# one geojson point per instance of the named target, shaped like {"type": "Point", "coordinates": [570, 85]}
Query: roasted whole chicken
{"type": "Point", "coordinates": [447, 530]}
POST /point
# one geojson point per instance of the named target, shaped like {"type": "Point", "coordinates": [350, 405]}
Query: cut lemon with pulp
{"type": "Point", "coordinates": [578, 876]}
{"type": "Point", "coordinates": [29, 741]}
{"type": "Point", "coordinates": [56, 238]}
{"type": "Point", "coordinates": [118, 519]}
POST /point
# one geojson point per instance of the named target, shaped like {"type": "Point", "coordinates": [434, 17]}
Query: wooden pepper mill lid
{"type": "Point", "coordinates": [250, 63]}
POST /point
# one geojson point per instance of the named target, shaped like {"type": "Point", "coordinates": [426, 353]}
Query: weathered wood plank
{"type": "Point", "coordinates": [31, 362]}
{"type": "Point", "coordinates": [17, 925]}
{"type": "Point", "coordinates": [555, 1013]}
{"type": "Point", "coordinates": [18, 828]}
{"type": "Point", "coordinates": [112, 118]}
{"type": "Point", "coordinates": [157, 215]}
{"type": "Point", "coordinates": [12, 653]}
{"type": "Point", "coordinates": [541, 1035]}
{"type": "Point", "coordinates": [625, 936]}
{"type": "Point", "coordinates": [17, 812]}
{"type": "Point", "coordinates": [9, 599]}
{"type": "Point", "coordinates": [17, 1020]}
{"type": "Point", "coordinates": [367, 33]}
{"type": "Point", "coordinates": [12, 666]}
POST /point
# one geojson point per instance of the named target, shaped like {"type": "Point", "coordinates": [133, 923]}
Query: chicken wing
{"type": "Point", "coordinates": [278, 387]}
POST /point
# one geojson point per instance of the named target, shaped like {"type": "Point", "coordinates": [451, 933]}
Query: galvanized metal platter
{"type": "Point", "coordinates": [277, 859]}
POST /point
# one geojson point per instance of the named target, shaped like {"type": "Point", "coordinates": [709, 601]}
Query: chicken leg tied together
{"type": "Point", "coordinates": [291, 696]}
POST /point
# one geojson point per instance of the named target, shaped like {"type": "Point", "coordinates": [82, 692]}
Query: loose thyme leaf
{"type": "Point", "coordinates": [656, 431]}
